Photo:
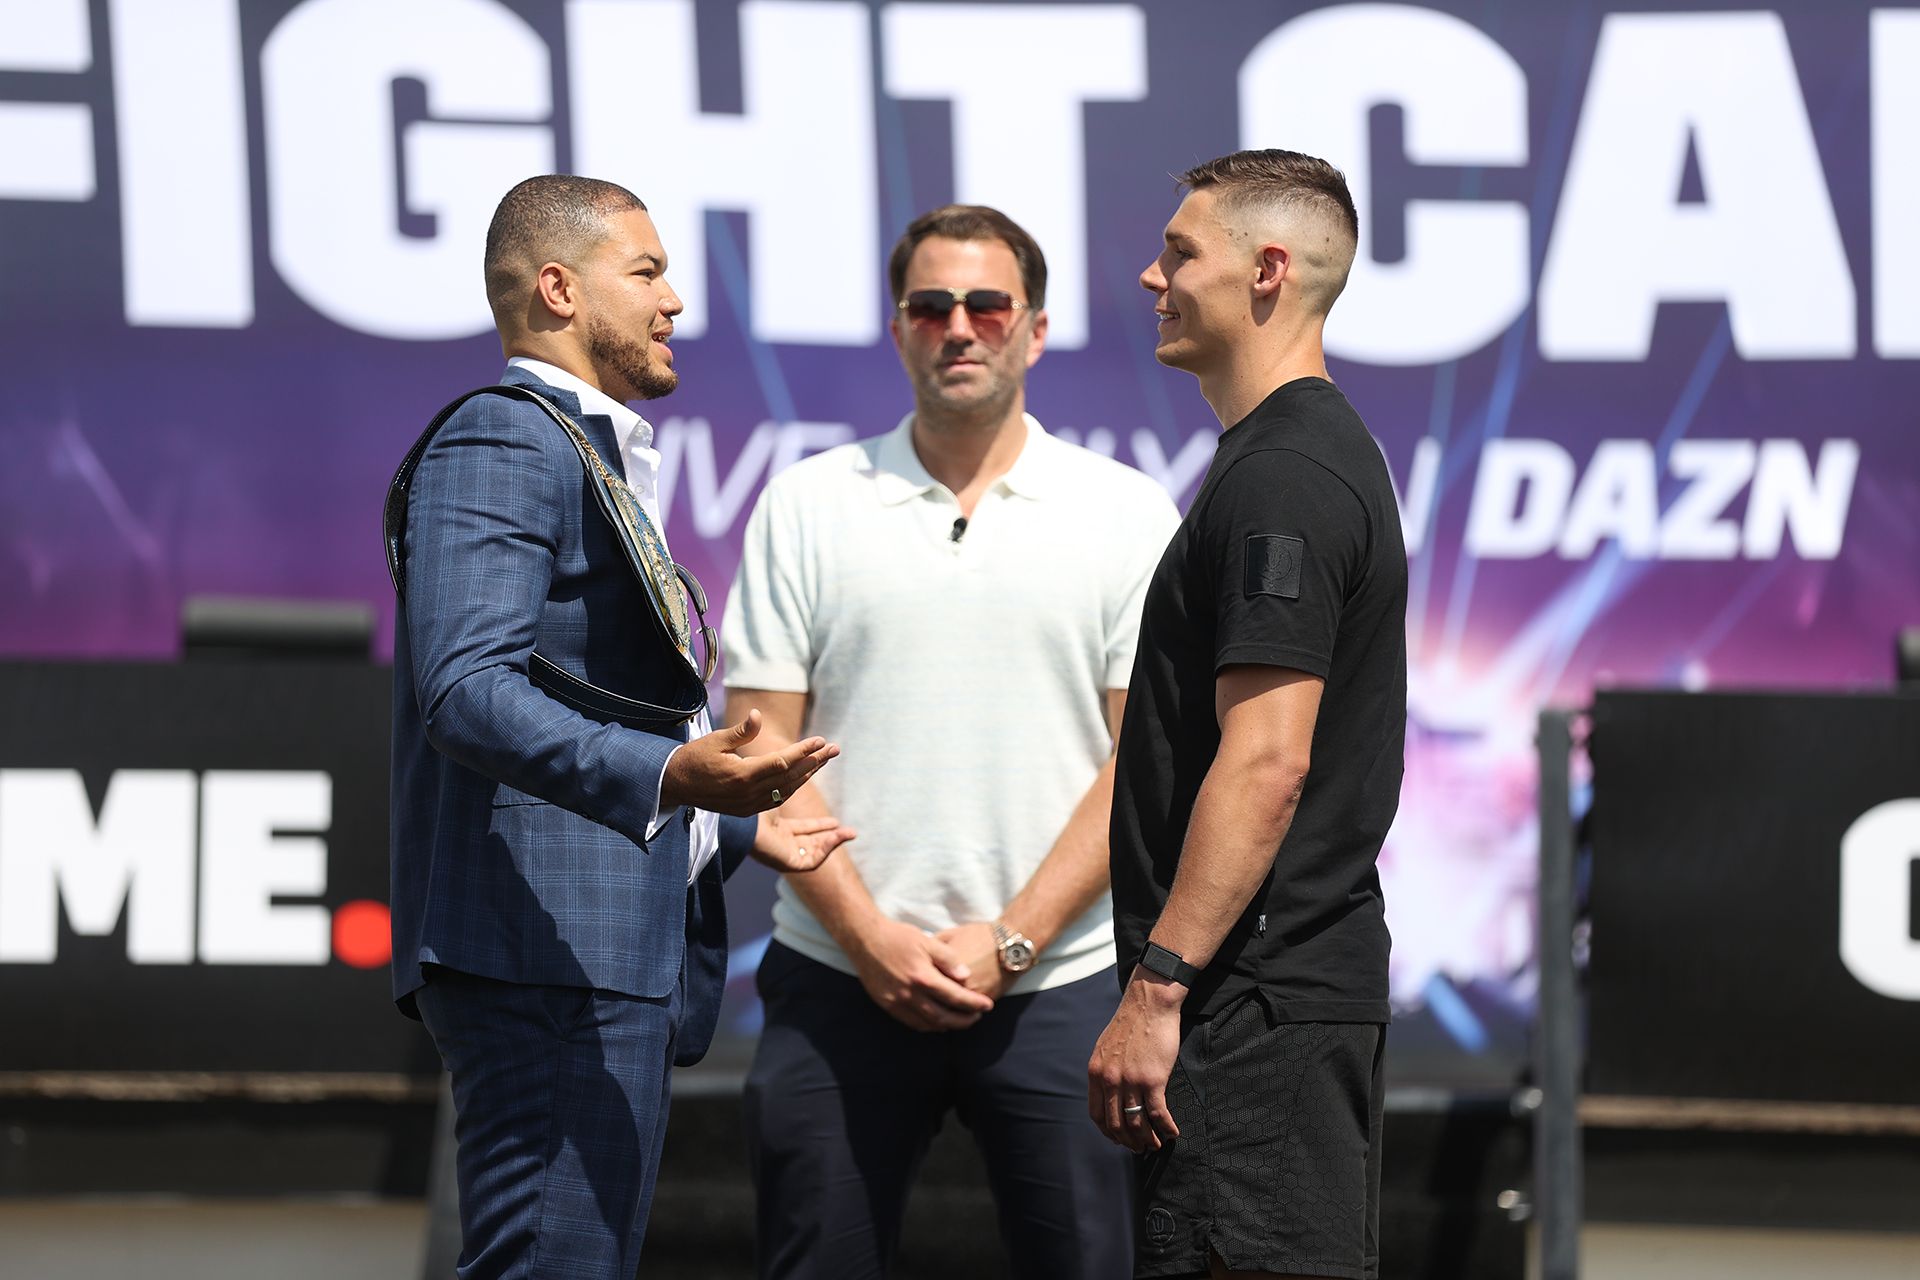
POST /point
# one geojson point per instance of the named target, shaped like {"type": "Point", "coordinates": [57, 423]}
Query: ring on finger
{"type": "Point", "coordinates": [1134, 1110]}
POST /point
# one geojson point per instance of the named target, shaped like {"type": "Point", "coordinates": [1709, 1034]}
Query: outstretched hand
{"type": "Point", "coordinates": [710, 773]}
{"type": "Point", "coordinates": [797, 844]}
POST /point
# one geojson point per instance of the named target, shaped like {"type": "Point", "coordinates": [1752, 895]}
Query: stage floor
{"type": "Point", "coordinates": [162, 1239]}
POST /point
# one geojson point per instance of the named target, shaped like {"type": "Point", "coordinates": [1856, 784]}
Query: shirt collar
{"type": "Point", "coordinates": [629, 428]}
{"type": "Point", "coordinates": [901, 475]}
{"type": "Point", "coordinates": [1032, 473]}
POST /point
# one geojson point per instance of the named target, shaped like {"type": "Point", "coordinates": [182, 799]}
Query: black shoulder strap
{"type": "Point", "coordinates": [603, 484]}
{"type": "Point", "coordinates": [394, 521]}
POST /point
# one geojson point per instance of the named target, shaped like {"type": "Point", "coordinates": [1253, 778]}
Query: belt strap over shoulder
{"type": "Point", "coordinates": [666, 586]}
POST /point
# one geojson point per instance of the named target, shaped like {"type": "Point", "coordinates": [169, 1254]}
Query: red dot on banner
{"type": "Point", "coordinates": [361, 935]}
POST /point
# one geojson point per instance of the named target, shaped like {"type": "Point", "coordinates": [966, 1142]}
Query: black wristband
{"type": "Point", "coordinates": [1168, 965]}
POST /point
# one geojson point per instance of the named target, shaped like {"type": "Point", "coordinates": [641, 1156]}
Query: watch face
{"type": "Point", "coordinates": [1017, 955]}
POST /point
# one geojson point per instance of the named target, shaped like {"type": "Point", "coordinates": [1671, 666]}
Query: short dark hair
{"type": "Point", "coordinates": [1285, 178]}
{"type": "Point", "coordinates": [1294, 183]}
{"type": "Point", "coordinates": [972, 222]}
{"type": "Point", "coordinates": [556, 217]}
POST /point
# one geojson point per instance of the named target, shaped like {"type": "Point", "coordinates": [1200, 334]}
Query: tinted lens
{"type": "Point", "coordinates": [989, 302]}
{"type": "Point", "coordinates": [929, 306]}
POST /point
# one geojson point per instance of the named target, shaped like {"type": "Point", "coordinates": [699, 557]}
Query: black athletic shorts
{"type": "Point", "coordinates": [1277, 1166]}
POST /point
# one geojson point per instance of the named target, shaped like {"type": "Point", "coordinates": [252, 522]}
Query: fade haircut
{"type": "Point", "coordinates": [557, 217]}
{"type": "Point", "coordinates": [972, 222]}
{"type": "Point", "coordinates": [1290, 183]}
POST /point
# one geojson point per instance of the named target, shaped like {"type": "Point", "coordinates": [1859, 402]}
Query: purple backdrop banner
{"type": "Point", "coordinates": [1635, 321]}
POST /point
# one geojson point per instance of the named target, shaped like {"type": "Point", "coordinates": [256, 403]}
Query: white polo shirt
{"type": "Point", "coordinates": [965, 681]}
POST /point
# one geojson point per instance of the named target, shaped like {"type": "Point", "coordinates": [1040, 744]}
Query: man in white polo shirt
{"type": "Point", "coordinates": [956, 604]}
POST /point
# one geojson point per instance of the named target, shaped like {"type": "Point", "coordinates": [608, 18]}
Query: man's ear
{"type": "Point", "coordinates": [557, 290]}
{"type": "Point", "coordinates": [1271, 264]}
{"type": "Point", "coordinates": [1037, 340]}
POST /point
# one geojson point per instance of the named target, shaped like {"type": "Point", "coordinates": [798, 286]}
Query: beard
{"type": "Point", "coordinates": [982, 406]}
{"type": "Point", "coordinates": [981, 401]}
{"type": "Point", "coordinates": [615, 352]}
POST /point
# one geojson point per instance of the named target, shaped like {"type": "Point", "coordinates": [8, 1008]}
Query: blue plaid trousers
{"type": "Point", "coordinates": [560, 1097]}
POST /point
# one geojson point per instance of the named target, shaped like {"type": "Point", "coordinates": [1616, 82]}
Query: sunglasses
{"type": "Point", "coordinates": [990, 311]}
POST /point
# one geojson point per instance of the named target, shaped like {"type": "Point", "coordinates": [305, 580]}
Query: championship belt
{"type": "Point", "coordinates": [668, 587]}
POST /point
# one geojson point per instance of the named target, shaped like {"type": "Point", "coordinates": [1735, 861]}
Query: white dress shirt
{"type": "Point", "coordinates": [640, 463]}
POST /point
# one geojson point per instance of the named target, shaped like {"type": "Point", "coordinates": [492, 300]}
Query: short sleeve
{"type": "Point", "coordinates": [1149, 520]}
{"type": "Point", "coordinates": [767, 634]}
{"type": "Point", "coordinates": [1287, 538]}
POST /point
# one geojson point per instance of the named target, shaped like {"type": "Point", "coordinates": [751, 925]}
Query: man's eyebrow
{"type": "Point", "coordinates": [644, 258]}
{"type": "Point", "coordinates": [1178, 240]}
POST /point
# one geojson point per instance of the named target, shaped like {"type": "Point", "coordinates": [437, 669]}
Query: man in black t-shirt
{"type": "Point", "coordinates": [1259, 764]}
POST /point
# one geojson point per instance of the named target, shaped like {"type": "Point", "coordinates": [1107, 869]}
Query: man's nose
{"type": "Point", "coordinates": [959, 324]}
{"type": "Point", "coordinates": [1151, 280]}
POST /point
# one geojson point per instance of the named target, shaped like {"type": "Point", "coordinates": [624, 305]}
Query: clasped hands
{"type": "Point", "coordinates": [710, 773]}
{"type": "Point", "coordinates": [929, 981]}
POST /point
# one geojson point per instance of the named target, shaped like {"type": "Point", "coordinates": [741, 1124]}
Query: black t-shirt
{"type": "Point", "coordinates": [1291, 556]}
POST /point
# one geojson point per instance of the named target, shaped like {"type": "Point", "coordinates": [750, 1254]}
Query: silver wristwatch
{"type": "Point", "coordinates": [1016, 949]}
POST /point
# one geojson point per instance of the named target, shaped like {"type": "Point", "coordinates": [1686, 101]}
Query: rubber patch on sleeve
{"type": "Point", "coordinates": [1273, 565]}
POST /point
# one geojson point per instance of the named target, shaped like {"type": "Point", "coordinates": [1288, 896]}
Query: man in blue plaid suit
{"type": "Point", "coordinates": [558, 917]}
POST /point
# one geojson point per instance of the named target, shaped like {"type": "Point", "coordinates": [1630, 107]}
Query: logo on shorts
{"type": "Point", "coordinates": [1159, 1226]}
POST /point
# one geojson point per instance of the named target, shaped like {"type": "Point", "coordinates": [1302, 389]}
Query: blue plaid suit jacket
{"type": "Point", "coordinates": [519, 826]}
